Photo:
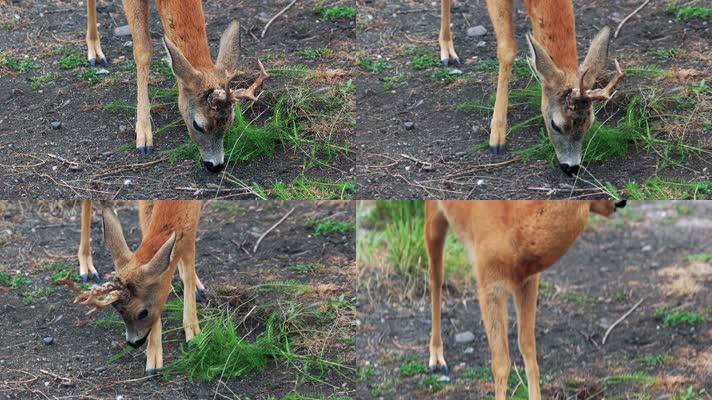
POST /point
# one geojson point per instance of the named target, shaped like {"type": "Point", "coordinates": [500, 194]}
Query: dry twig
{"type": "Point", "coordinates": [254, 250]}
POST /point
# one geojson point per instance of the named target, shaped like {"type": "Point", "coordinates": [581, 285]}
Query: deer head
{"type": "Point", "coordinates": [606, 207]}
{"type": "Point", "coordinates": [567, 98]}
{"type": "Point", "coordinates": [138, 289]}
{"type": "Point", "coordinates": [205, 99]}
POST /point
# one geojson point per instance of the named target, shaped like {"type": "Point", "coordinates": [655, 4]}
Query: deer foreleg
{"type": "Point", "coordinates": [190, 312]}
{"type": "Point", "coordinates": [86, 264]}
{"type": "Point", "coordinates": [500, 12]}
{"type": "Point", "coordinates": [154, 350]}
{"type": "Point", "coordinates": [525, 304]}
{"type": "Point", "coordinates": [447, 49]}
{"type": "Point", "coordinates": [493, 307]}
{"type": "Point", "coordinates": [93, 40]}
{"type": "Point", "coordinates": [435, 232]}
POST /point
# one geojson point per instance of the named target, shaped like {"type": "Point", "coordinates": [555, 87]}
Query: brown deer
{"type": "Point", "coordinates": [204, 95]}
{"type": "Point", "coordinates": [509, 243]}
{"type": "Point", "coordinates": [567, 94]}
{"type": "Point", "coordinates": [142, 280]}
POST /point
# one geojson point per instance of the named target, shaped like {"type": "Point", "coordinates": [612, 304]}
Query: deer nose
{"type": "Point", "coordinates": [213, 167]}
{"type": "Point", "coordinates": [569, 169]}
{"type": "Point", "coordinates": [139, 342]}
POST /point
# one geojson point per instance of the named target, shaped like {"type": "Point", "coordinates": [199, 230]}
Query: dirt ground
{"type": "Point", "coordinates": [96, 158]}
{"type": "Point", "coordinates": [392, 159]}
{"type": "Point", "coordinates": [656, 251]}
{"type": "Point", "coordinates": [33, 236]}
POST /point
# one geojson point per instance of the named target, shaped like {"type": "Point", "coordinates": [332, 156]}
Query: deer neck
{"type": "Point", "coordinates": [554, 27]}
{"type": "Point", "coordinates": [184, 24]}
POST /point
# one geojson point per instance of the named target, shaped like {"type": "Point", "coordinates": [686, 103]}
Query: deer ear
{"type": "Point", "coordinates": [162, 259]}
{"type": "Point", "coordinates": [114, 238]}
{"type": "Point", "coordinates": [229, 52]}
{"type": "Point", "coordinates": [180, 65]}
{"type": "Point", "coordinates": [543, 65]}
{"type": "Point", "coordinates": [596, 58]}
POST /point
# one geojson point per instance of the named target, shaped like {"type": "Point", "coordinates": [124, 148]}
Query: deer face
{"type": "Point", "coordinates": [204, 96]}
{"type": "Point", "coordinates": [567, 110]}
{"type": "Point", "coordinates": [606, 207]}
{"type": "Point", "coordinates": [145, 284]}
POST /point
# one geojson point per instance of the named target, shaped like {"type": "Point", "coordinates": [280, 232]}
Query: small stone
{"type": "Point", "coordinates": [478, 30]}
{"type": "Point", "coordinates": [409, 125]}
{"type": "Point", "coordinates": [119, 397]}
{"type": "Point", "coordinates": [56, 125]}
{"type": "Point", "coordinates": [99, 369]}
{"type": "Point", "coordinates": [122, 31]}
{"type": "Point", "coordinates": [647, 247]}
{"type": "Point", "coordinates": [17, 92]}
{"type": "Point", "coordinates": [75, 168]}
{"type": "Point", "coordinates": [455, 71]}
{"type": "Point", "coordinates": [102, 72]}
{"type": "Point", "coordinates": [469, 350]}
{"type": "Point", "coordinates": [122, 128]}
{"type": "Point", "coordinates": [465, 337]}
{"type": "Point", "coordinates": [429, 168]}
{"type": "Point", "coordinates": [48, 340]}
{"type": "Point", "coordinates": [128, 43]}
{"type": "Point", "coordinates": [481, 43]}
{"type": "Point", "coordinates": [460, 154]}
{"type": "Point", "coordinates": [444, 378]}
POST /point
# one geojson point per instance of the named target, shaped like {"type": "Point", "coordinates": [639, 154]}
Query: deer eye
{"type": "Point", "coordinates": [198, 127]}
{"type": "Point", "coordinates": [556, 127]}
{"type": "Point", "coordinates": [143, 314]}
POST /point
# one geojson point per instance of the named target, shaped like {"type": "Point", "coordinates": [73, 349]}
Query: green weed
{"type": "Point", "coordinates": [688, 12]}
{"type": "Point", "coordinates": [690, 394]}
{"type": "Point", "coordinates": [318, 52]}
{"type": "Point", "coordinates": [413, 368]}
{"type": "Point", "coordinates": [476, 106]}
{"type": "Point", "coordinates": [657, 188]}
{"type": "Point", "coordinates": [674, 318]}
{"type": "Point", "coordinates": [90, 75]}
{"type": "Point", "coordinates": [479, 373]}
{"type": "Point", "coordinates": [34, 297]}
{"type": "Point", "coordinates": [376, 66]}
{"type": "Point", "coordinates": [15, 282]}
{"type": "Point", "coordinates": [702, 257]}
{"type": "Point", "coordinates": [654, 360]}
{"type": "Point", "coordinates": [70, 61]}
{"type": "Point", "coordinates": [109, 321]}
{"type": "Point", "coordinates": [672, 52]}
{"type": "Point", "coordinates": [424, 62]}
{"type": "Point", "coordinates": [392, 82]}
{"type": "Point", "coordinates": [304, 268]}
{"type": "Point", "coordinates": [335, 12]}
{"type": "Point", "coordinates": [15, 64]}
{"type": "Point", "coordinates": [41, 81]}
{"type": "Point", "coordinates": [432, 383]}
{"type": "Point", "coordinates": [305, 188]}
{"type": "Point", "coordinates": [366, 372]}
{"type": "Point", "coordinates": [629, 378]}
{"type": "Point", "coordinates": [322, 227]}
{"type": "Point", "coordinates": [443, 75]}
{"type": "Point", "coordinates": [574, 296]}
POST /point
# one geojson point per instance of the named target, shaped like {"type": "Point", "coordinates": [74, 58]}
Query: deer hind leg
{"type": "Point", "coordinates": [137, 16]}
{"type": "Point", "coordinates": [86, 264]}
{"type": "Point", "coordinates": [154, 351]}
{"type": "Point", "coordinates": [186, 269]}
{"type": "Point", "coordinates": [525, 303]}
{"type": "Point", "coordinates": [93, 40]}
{"type": "Point", "coordinates": [500, 12]}
{"type": "Point", "coordinates": [447, 49]}
{"type": "Point", "coordinates": [435, 232]}
{"type": "Point", "coordinates": [493, 307]}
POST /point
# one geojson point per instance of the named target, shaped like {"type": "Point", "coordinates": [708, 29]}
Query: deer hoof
{"type": "Point", "coordinates": [433, 368]}
{"type": "Point", "coordinates": [200, 295]}
{"type": "Point", "coordinates": [96, 276]}
{"type": "Point", "coordinates": [92, 62]}
{"type": "Point", "coordinates": [151, 372]}
{"type": "Point", "coordinates": [105, 61]}
{"type": "Point", "coordinates": [144, 149]}
{"type": "Point", "coordinates": [498, 149]}
{"type": "Point", "coordinates": [445, 62]}
{"type": "Point", "coordinates": [84, 278]}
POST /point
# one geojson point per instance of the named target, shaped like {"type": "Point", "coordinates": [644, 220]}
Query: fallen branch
{"type": "Point", "coordinates": [425, 164]}
{"type": "Point", "coordinates": [264, 31]}
{"type": "Point", "coordinates": [64, 381]}
{"type": "Point", "coordinates": [63, 160]}
{"type": "Point", "coordinates": [619, 320]}
{"type": "Point", "coordinates": [129, 166]}
{"type": "Point", "coordinates": [254, 250]}
{"type": "Point", "coordinates": [615, 35]}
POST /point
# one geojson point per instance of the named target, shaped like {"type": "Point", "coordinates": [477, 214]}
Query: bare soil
{"type": "Point", "coordinates": [614, 264]}
{"type": "Point", "coordinates": [93, 139]}
{"type": "Point", "coordinates": [35, 235]}
{"type": "Point", "coordinates": [391, 160]}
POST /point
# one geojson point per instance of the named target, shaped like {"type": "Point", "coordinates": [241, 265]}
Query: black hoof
{"type": "Point", "coordinates": [151, 372]}
{"type": "Point", "coordinates": [145, 150]}
{"type": "Point", "coordinates": [445, 62]}
{"type": "Point", "coordinates": [105, 61]}
{"type": "Point", "coordinates": [92, 62]}
{"type": "Point", "coordinates": [433, 369]}
{"type": "Point", "coordinates": [200, 295]}
{"type": "Point", "coordinates": [458, 62]}
{"type": "Point", "coordinates": [569, 170]}
{"type": "Point", "coordinates": [498, 149]}
{"type": "Point", "coordinates": [96, 276]}
{"type": "Point", "coordinates": [84, 278]}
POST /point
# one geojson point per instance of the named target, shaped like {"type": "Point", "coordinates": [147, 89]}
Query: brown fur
{"type": "Point", "coordinates": [509, 244]}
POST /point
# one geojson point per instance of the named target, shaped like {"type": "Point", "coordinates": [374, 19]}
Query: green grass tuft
{"type": "Point", "coordinates": [703, 257]}
{"type": "Point", "coordinates": [333, 13]}
{"type": "Point", "coordinates": [411, 368]}
{"type": "Point", "coordinates": [15, 64]}
{"type": "Point", "coordinates": [424, 62]}
{"type": "Point", "coordinates": [322, 227]}
{"type": "Point", "coordinates": [376, 66]}
{"type": "Point", "coordinates": [15, 282]}
{"type": "Point", "coordinates": [674, 318]}
{"type": "Point", "coordinates": [41, 81]}
{"type": "Point", "coordinates": [70, 61]}
{"type": "Point", "coordinates": [688, 12]}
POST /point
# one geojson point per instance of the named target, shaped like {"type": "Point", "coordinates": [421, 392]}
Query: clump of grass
{"type": "Point", "coordinates": [15, 282]}
{"type": "Point", "coordinates": [289, 285]}
{"type": "Point", "coordinates": [424, 62]}
{"type": "Point", "coordinates": [690, 394]}
{"type": "Point", "coordinates": [476, 106]}
{"type": "Point", "coordinates": [322, 227]}
{"type": "Point", "coordinates": [657, 188]}
{"type": "Point", "coordinates": [637, 377]}
{"type": "Point", "coordinates": [318, 52]}
{"type": "Point", "coordinates": [70, 61]}
{"type": "Point", "coordinates": [109, 321]}
{"type": "Point", "coordinates": [688, 12]}
{"type": "Point", "coordinates": [306, 188]}
{"type": "Point", "coordinates": [432, 383]}
{"type": "Point", "coordinates": [702, 257]}
{"type": "Point", "coordinates": [575, 296]}
{"type": "Point", "coordinates": [15, 64]}
{"type": "Point", "coordinates": [160, 68]}
{"type": "Point", "coordinates": [376, 66]}
{"type": "Point", "coordinates": [411, 368]}
{"type": "Point", "coordinates": [672, 52]}
{"type": "Point", "coordinates": [41, 81]}
{"type": "Point", "coordinates": [479, 373]}
{"type": "Point", "coordinates": [677, 317]}
{"type": "Point", "coordinates": [333, 13]}
{"type": "Point", "coordinates": [304, 268]}
{"type": "Point", "coordinates": [443, 75]}
{"type": "Point", "coordinates": [391, 82]}
{"type": "Point", "coordinates": [366, 372]}
{"type": "Point", "coordinates": [34, 297]}
{"type": "Point", "coordinates": [654, 360]}
{"type": "Point", "coordinates": [90, 75]}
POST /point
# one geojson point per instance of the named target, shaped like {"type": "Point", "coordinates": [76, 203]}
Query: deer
{"type": "Point", "coordinates": [205, 99]}
{"type": "Point", "coordinates": [140, 285]}
{"type": "Point", "coordinates": [567, 89]}
{"type": "Point", "coordinates": [509, 243]}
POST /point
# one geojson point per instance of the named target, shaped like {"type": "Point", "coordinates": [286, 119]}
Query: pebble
{"type": "Point", "coordinates": [444, 378]}
{"type": "Point", "coordinates": [122, 128]}
{"type": "Point", "coordinates": [48, 340]}
{"type": "Point", "coordinates": [75, 168]}
{"type": "Point", "coordinates": [56, 125]}
{"type": "Point", "coordinates": [460, 154]}
{"type": "Point", "coordinates": [469, 350]}
{"type": "Point", "coordinates": [122, 31]}
{"type": "Point", "coordinates": [409, 125]}
{"type": "Point", "coordinates": [478, 30]}
{"type": "Point", "coordinates": [102, 71]}
{"type": "Point", "coordinates": [481, 43]}
{"type": "Point", "coordinates": [464, 337]}
{"type": "Point", "coordinates": [429, 168]}
{"type": "Point", "coordinates": [647, 248]}
{"type": "Point", "coordinates": [455, 71]}
{"type": "Point", "coordinates": [128, 43]}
